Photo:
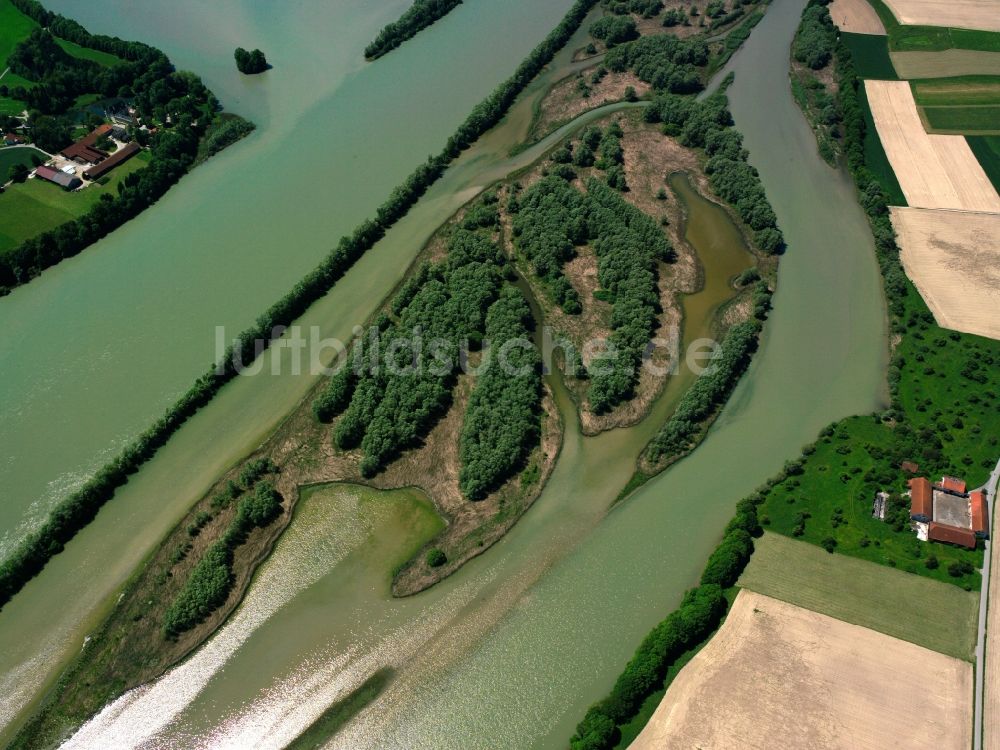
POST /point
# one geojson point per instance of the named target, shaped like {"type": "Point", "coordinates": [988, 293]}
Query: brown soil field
{"type": "Point", "coordinates": [856, 17]}
{"type": "Point", "coordinates": [946, 63]}
{"type": "Point", "coordinates": [780, 676]}
{"type": "Point", "coordinates": [934, 171]}
{"type": "Point", "coordinates": [953, 257]}
{"type": "Point", "coordinates": [962, 14]}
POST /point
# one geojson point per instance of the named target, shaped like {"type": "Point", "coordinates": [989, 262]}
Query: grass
{"type": "Point", "coordinates": [14, 26]}
{"type": "Point", "coordinates": [956, 91]}
{"type": "Point", "coordinates": [871, 56]}
{"type": "Point", "coordinates": [984, 119]}
{"type": "Point", "coordinates": [928, 613]}
{"type": "Point", "coordinates": [17, 155]}
{"type": "Point", "coordinates": [875, 157]}
{"type": "Point", "coordinates": [341, 712]}
{"type": "Point", "coordinates": [932, 38]}
{"type": "Point", "coordinates": [85, 53]}
{"type": "Point", "coordinates": [832, 499]}
{"type": "Point", "coordinates": [987, 151]}
{"type": "Point", "coordinates": [36, 206]}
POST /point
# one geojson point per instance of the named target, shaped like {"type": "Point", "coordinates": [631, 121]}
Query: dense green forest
{"type": "Point", "coordinates": [663, 61]}
{"type": "Point", "coordinates": [178, 103]}
{"type": "Point", "coordinates": [417, 17]}
{"type": "Point", "coordinates": [502, 421]}
{"type": "Point", "coordinates": [816, 37]}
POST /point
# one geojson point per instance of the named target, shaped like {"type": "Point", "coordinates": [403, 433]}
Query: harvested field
{"type": "Point", "coordinates": [782, 676]}
{"type": "Point", "coordinates": [856, 17]}
{"type": "Point", "coordinates": [953, 258]}
{"type": "Point", "coordinates": [934, 171]}
{"type": "Point", "coordinates": [946, 63]}
{"type": "Point", "coordinates": [962, 14]}
{"type": "Point", "coordinates": [929, 613]}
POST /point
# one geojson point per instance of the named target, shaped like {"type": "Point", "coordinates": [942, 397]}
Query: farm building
{"type": "Point", "coordinates": [946, 513]}
{"type": "Point", "coordinates": [123, 154]}
{"type": "Point", "coordinates": [83, 151]}
{"type": "Point", "coordinates": [60, 178]}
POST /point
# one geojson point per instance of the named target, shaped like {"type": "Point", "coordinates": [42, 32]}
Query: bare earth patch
{"type": "Point", "coordinates": [856, 17]}
{"type": "Point", "coordinates": [934, 171]}
{"type": "Point", "coordinates": [953, 257]}
{"type": "Point", "coordinates": [962, 14]}
{"type": "Point", "coordinates": [565, 101]}
{"type": "Point", "coordinates": [780, 676]}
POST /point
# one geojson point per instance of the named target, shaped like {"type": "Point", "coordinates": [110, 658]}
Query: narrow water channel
{"type": "Point", "coordinates": [508, 652]}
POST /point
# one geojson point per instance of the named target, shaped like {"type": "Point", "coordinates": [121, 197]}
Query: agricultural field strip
{"type": "Point", "coordinates": [945, 63]}
{"type": "Point", "coordinates": [934, 171]}
{"type": "Point", "coordinates": [961, 14]}
{"type": "Point", "coordinates": [856, 17]}
{"type": "Point", "coordinates": [785, 676]}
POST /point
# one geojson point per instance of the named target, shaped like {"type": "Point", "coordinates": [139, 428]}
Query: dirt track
{"type": "Point", "coordinates": [856, 17]}
{"type": "Point", "coordinates": [954, 259]}
{"type": "Point", "coordinates": [934, 171]}
{"type": "Point", "coordinates": [779, 676]}
{"type": "Point", "coordinates": [963, 14]}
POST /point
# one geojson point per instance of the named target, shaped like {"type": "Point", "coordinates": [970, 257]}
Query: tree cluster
{"type": "Point", "coordinates": [644, 8]}
{"type": "Point", "coordinates": [77, 510]}
{"type": "Point", "coordinates": [397, 395]}
{"type": "Point", "coordinates": [211, 579]}
{"type": "Point", "coordinates": [708, 393]}
{"type": "Point", "coordinates": [663, 61]}
{"type": "Point", "coordinates": [708, 124]}
{"type": "Point", "coordinates": [816, 38]}
{"type": "Point", "coordinates": [250, 63]}
{"type": "Point", "coordinates": [417, 17]}
{"type": "Point", "coordinates": [614, 30]}
{"type": "Point", "coordinates": [502, 423]}
{"type": "Point", "coordinates": [691, 623]}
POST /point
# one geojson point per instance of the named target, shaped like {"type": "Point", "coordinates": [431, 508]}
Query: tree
{"type": "Point", "coordinates": [250, 62]}
{"type": "Point", "coordinates": [436, 558]}
{"type": "Point", "coordinates": [18, 172]}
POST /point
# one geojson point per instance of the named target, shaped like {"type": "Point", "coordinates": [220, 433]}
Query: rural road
{"type": "Point", "coordinates": [991, 492]}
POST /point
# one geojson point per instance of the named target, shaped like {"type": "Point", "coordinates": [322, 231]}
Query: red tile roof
{"type": "Point", "coordinates": [980, 517]}
{"type": "Point", "coordinates": [953, 484]}
{"type": "Point", "coordinates": [125, 153]}
{"type": "Point", "coordinates": [909, 467]}
{"type": "Point", "coordinates": [940, 532]}
{"type": "Point", "coordinates": [84, 148]}
{"type": "Point", "coordinates": [921, 498]}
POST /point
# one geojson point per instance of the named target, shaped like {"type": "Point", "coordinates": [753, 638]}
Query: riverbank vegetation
{"type": "Point", "coordinates": [700, 613]}
{"type": "Point", "coordinates": [250, 63]}
{"type": "Point", "coordinates": [417, 17]}
{"type": "Point", "coordinates": [944, 413]}
{"type": "Point", "coordinates": [78, 509]}
{"type": "Point", "coordinates": [58, 64]}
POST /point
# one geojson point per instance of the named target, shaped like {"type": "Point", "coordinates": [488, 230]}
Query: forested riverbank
{"type": "Point", "coordinates": [417, 17]}
{"type": "Point", "coordinates": [184, 122]}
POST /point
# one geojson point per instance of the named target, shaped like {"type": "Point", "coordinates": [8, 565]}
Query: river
{"type": "Point", "coordinates": [508, 652]}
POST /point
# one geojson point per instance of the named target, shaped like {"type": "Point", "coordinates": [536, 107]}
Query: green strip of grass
{"type": "Point", "coordinates": [875, 158]}
{"type": "Point", "coordinates": [932, 38]}
{"type": "Point", "coordinates": [871, 56]}
{"type": "Point", "coordinates": [14, 26]}
{"type": "Point", "coordinates": [85, 53]}
{"type": "Point", "coordinates": [974, 119]}
{"type": "Point", "coordinates": [928, 613]}
{"type": "Point", "coordinates": [987, 151]}
{"type": "Point", "coordinates": [956, 91]}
